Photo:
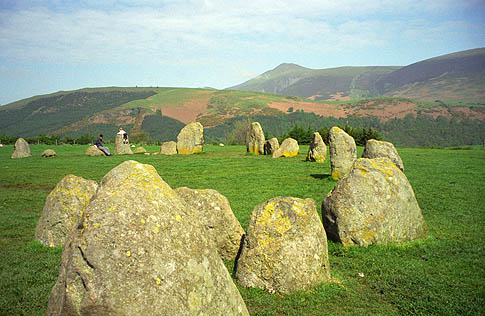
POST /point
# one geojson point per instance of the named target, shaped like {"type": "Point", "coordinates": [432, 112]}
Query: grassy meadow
{"type": "Point", "coordinates": [442, 274]}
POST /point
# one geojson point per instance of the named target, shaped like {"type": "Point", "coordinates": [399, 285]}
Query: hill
{"type": "Point", "coordinates": [342, 83]}
{"type": "Point", "coordinates": [159, 113]}
{"type": "Point", "coordinates": [454, 77]}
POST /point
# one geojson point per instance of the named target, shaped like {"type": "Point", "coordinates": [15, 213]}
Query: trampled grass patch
{"type": "Point", "coordinates": [442, 274]}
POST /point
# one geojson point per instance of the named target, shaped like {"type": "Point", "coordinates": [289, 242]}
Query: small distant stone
{"type": "Point", "coordinates": [155, 153]}
{"type": "Point", "coordinates": [94, 151]}
{"type": "Point", "coordinates": [375, 149]}
{"type": "Point", "coordinates": [168, 148]}
{"type": "Point", "coordinates": [190, 140]}
{"type": "Point", "coordinates": [1, 145]}
{"type": "Point", "coordinates": [255, 139]}
{"type": "Point", "coordinates": [318, 150]}
{"type": "Point", "coordinates": [285, 248]}
{"type": "Point", "coordinates": [121, 148]}
{"type": "Point", "coordinates": [221, 144]}
{"type": "Point", "coordinates": [140, 150]}
{"type": "Point", "coordinates": [21, 149]}
{"type": "Point", "coordinates": [289, 148]}
{"type": "Point", "coordinates": [343, 152]}
{"type": "Point", "coordinates": [271, 145]}
{"type": "Point", "coordinates": [48, 153]}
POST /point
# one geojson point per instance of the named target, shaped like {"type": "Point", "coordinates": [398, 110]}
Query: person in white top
{"type": "Point", "coordinates": [125, 136]}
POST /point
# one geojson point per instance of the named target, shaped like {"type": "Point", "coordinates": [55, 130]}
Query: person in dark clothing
{"type": "Point", "coordinates": [99, 144]}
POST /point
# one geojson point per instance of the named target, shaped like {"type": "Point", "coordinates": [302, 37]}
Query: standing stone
{"type": "Point", "coordinates": [374, 204]}
{"type": "Point", "coordinates": [120, 147]}
{"type": "Point", "coordinates": [48, 153]}
{"type": "Point", "coordinates": [270, 146]}
{"type": "Point", "coordinates": [141, 251]}
{"type": "Point", "coordinates": [255, 139]}
{"type": "Point", "coordinates": [140, 150]}
{"type": "Point", "coordinates": [21, 149]}
{"type": "Point", "coordinates": [343, 152]}
{"type": "Point", "coordinates": [93, 151]}
{"type": "Point", "coordinates": [216, 215]}
{"type": "Point", "coordinates": [375, 149]}
{"type": "Point", "coordinates": [289, 148]}
{"type": "Point", "coordinates": [190, 140]}
{"type": "Point", "coordinates": [63, 209]}
{"type": "Point", "coordinates": [318, 150]}
{"type": "Point", "coordinates": [168, 148]}
{"type": "Point", "coordinates": [285, 248]}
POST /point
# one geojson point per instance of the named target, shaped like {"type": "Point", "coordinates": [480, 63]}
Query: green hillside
{"type": "Point", "coordinates": [451, 77]}
{"type": "Point", "coordinates": [321, 84]}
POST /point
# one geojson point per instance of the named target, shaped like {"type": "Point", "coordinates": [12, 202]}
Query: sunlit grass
{"type": "Point", "coordinates": [442, 274]}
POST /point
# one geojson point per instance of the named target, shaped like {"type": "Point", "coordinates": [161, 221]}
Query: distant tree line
{"type": "Point", "coordinates": [410, 131]}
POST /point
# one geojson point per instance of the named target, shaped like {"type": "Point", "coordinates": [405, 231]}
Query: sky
{"type": "Point", "coordinates": [48, 46]}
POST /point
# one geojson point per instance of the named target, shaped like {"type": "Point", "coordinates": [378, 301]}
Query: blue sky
{"type": "Point", "coordinates": [47, 46]}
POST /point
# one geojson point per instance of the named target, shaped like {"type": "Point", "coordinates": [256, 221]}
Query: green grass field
{"type": "Point", "coordinates": [442, 274]}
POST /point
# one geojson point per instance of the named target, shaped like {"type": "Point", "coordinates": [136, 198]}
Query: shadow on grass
{"type": "Point", "coordinates": [320, 176]}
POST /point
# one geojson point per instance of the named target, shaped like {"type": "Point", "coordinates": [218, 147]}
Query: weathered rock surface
{"type": "Point", "coordinates": [318, 150]}
{"type": "Point", "coordinates": [216, 215]}
{"type": "Point", "coordinates": [375, 149]}
{"type": "Point", "coordinates": [285, 248]}
{"type": "Point", "coordinates": [140, 150]}
{"type": "Point", "coordinates": [289, 148]}
{"type": "Point", "coordinates": [94, 151]}
{"type": "Point", "coordinates": [21, 149]}
{"type": "Point", "coordinates": [374, 204]}
{"type": "Point", "coordinates": [255, 139]}
{"type": "Point", "coordinates": [141, 251]}
{"type": "Point", "coordinates": [49, 153]}
{"type": "Point", "coordinates": [63, 209]}
{"type": "Point", "coordinates": [168, 148]}
{"type": "Point", "coordinates": [271, 145]}
{"type": "Point", "coordinates": [190, 140]}
{"type": "Point", "coordinates": [343, 152]}
{"type": "Point", "coordinates": [120, 147]}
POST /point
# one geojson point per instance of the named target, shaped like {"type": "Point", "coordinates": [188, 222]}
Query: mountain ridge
{"type": "Point", "coordinates": [459, 75]}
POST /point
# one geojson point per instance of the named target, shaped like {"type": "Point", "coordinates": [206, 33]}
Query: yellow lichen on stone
{"type": "Point", "coordinates": [290, 154]}
{"type": "Point", "coordinates": [142, 221]}
{"type": "Point", "coordinates": [336, 175]}
{"type": "Point", "coordinates": [128, 253]}
{"type": "Point", "coordinates": [158, 281]}
{"type": "Point", "coordinates": [178, 218]}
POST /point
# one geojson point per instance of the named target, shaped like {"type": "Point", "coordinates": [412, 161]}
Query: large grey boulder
{"type": "Point", "coordinates": [140, 251]}
{"type": "Point", "coordinates": [121, 148]}
{"type": "Point", "coordinates": [285, 248]}
{"type": "Point", "coordinates": [93, 151]}
{"type": "Point", "coordinates": [255, 139]}
{"type": "Point", "coordinates": [63, 209]}
{"type": "Point", "coordinates": [374, 204]}
{"type": "Point", "coordinates": [49, 153]}
{"type": "Point", "coordinates": [21, 149]}
{"type": "Point", "coordinates": [271, 145]}
{"type": "Point", "coordinates": [289, 148]}
{"type": "Point", "coordinates": [343, 152]}
{"type": "Point", "coordinates": [216, 215]}
{"type": "Point", "coordinates": [375, 149]}
{"type": "Point", "coordinates": [168, 148]}
{"type": "Point", "coordinates": [190, 140]}
{"type": "Point", "coordinates": [318, 150]}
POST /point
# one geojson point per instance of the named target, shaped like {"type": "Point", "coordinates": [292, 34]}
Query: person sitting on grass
{"type": "Point", "coordinates": [125, 136]}
{"type": "Point", "coordinates": [99, 144]}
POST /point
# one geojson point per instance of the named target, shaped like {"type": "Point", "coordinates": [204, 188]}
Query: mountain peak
{"type": "Point", "coordinates": [288, 66]}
